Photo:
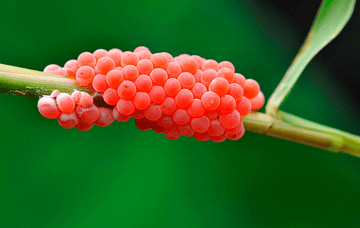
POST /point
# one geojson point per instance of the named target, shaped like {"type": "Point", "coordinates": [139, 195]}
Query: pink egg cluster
{"type": "Point", "coordinates": [184, 95]}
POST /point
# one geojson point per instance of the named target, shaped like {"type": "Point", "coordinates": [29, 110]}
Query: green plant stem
{"type": "Point", "coordinates": [20, 81]}
{"type": "Point", "coordinates": [32, 83]}
{"type": "Point", "coordinates": [293, 128]}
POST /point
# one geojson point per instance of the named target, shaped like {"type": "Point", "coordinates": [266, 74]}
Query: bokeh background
{"type": "Point", "coordinates": [119, 176]}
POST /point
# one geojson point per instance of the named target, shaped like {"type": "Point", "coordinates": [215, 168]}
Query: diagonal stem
{"type": "Point", "coordinates": [296, 129]}
{"type": "Point", "coordinates": [32, 83]}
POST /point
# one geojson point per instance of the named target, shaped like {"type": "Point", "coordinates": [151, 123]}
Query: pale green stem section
{"type": "Point", "coordinates": [330, 20]}
{"type": "Point", "coordinates": [32, 83]}
{"type": "Point", "coordinates": [20, 81]}
{"type": "Point", "coordinates": [293, 128]}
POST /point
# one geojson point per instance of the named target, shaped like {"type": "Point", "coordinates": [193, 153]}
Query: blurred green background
{"type": "Point", "coordinates": [119, 176]}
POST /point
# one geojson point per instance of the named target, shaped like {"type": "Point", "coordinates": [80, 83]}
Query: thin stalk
{"type": "Point", "coordinates": [20, 81]}
{"type": "Point", "coordinates": [293, 128]}
{"type": "Point", "coordinates": [32, 83]}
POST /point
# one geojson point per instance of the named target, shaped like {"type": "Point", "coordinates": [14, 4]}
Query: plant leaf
{"type": "Point", "coordinates": [329, 21]}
